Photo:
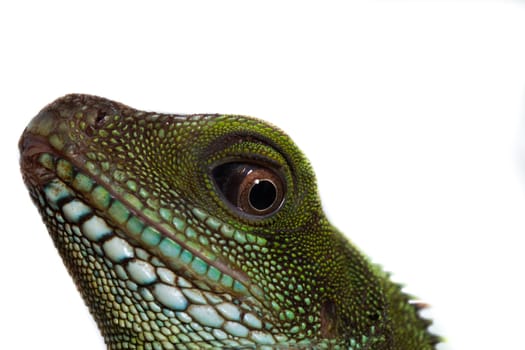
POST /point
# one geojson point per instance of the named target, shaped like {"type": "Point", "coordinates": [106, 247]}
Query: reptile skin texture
{"type": "Point", "coordinates": [203, 232]}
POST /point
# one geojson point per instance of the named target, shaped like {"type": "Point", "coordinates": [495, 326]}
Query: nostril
{"type": "Point", "coordinates": [102, 115]}
{"type": "Point", "coordinates": [100, 119]}
{"type": "Point", "coordinates": [96, 119]}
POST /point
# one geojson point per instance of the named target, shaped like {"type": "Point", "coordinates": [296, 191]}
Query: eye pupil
{"type": "Point", "coordinates": [262, 194]}
{"type": "Point", "coordinates": [250, 189]}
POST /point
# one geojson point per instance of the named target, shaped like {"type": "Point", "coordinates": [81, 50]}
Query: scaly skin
{"type": "Point", "coordinates": [203, 231]}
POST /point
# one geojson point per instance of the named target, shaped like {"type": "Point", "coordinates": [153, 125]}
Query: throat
{"type": "Point", "coordinates": [130, 291]}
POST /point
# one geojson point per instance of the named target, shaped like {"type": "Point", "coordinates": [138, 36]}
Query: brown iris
{"type": "Point", "coordinates": [250, 188]}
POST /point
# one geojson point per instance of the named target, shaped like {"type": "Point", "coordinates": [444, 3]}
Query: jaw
{"type": "Point", "coordinates": [147, 271]}
{"type": "Point", "coordinates": [127, 199]}
{"type": "Point", "coordinates": [133, 272]}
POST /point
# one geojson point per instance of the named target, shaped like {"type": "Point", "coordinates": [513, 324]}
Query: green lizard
{"type": "Point", "coordinates": [203, 231]}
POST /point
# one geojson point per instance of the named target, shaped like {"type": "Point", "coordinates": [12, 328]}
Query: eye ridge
{"type": "Point", "coordinates": [250, 188]}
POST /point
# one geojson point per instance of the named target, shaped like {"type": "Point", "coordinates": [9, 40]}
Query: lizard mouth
{"type": "Point", "coordinates": [31, 147]}
{"type": "Point", "coordinates": [60, 177]}
{"type": "Point", "coordinates": [125, 255]}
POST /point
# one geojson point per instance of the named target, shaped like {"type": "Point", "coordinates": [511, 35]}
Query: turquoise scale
{"type": "Point", "coordinates": [55, 192]}
{"type": "Point", "coordinates": [170, 297]}
{"type": "Point", "coordinates": [75, 210]}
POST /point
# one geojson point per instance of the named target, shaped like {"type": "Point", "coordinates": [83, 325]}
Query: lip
{"type": "Point", "coordinates": [31, 147]}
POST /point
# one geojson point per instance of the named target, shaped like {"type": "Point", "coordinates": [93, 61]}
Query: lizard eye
{"type": "Point", "coordinates": [251, 188]}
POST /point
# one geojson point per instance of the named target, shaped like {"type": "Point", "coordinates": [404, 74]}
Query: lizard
{"type": "Point", "coordinates": [204, 231]}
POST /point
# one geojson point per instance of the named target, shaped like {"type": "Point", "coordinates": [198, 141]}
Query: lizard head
{"type": "Point", "coordinates": [195, 229]}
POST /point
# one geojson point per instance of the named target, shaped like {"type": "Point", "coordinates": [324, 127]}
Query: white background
{"type": "Point", "coordinates": [412, 113]}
